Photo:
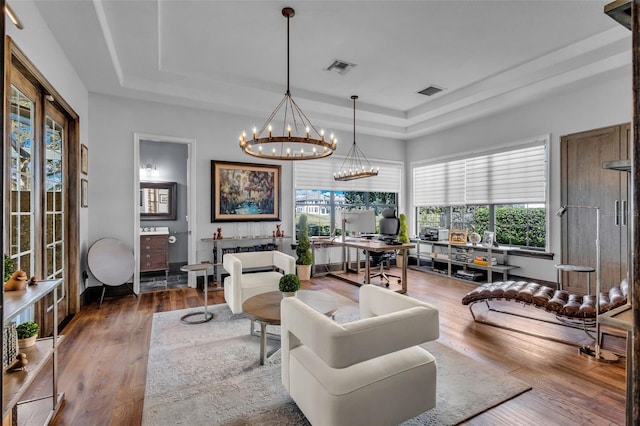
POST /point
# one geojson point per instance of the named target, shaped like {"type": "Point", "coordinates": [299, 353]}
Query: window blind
{"type": "Point", "coordinates": [439, 184]}
{"type": "Point", "coordinates": [513, 176]}
{"type": "Point", "coordinates": [318, 174]}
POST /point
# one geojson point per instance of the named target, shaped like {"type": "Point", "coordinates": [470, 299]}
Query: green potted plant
{"type": "Point", "coordinates": [8, 267]}
{"type": "Point", "coordinates": [27, 334]}
{"type": "Point", "coordinates": [305, 258]}
{"type": "Point", "coordinates": [289, 284]}
{"type": "Point", "coordinates": [403, 237]}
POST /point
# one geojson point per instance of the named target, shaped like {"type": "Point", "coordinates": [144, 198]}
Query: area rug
{"type": "Point", "coordinates": [209, 374]}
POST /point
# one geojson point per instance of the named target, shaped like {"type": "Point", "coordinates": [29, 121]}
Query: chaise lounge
{"type": "Point", "coordinates": [574, 310]}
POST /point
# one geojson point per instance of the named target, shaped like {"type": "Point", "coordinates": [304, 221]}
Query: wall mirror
{"type": "Point", "coordinates": [158, 200]}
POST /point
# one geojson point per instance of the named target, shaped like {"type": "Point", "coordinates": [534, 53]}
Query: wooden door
{"type": "Point", "coordinates": [585, 183]}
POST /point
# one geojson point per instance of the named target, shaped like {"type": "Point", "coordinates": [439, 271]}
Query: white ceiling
{"type": "Point", "coordinates": [231, 55]}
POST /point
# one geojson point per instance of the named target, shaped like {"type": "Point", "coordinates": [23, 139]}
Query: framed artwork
{"type": "Point", "coordinates": [84, 193]}
{"type": "Point", "coordinates": [244, 192]}
{"type": "Point", "coordinates": [84, 159]}
{"type": "Point", "coordinates": [458, 236]}
{"type": "Point", "coordinates": [488, 238]}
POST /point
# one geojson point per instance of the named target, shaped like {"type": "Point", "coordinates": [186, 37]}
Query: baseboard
{"type": "Point", "coordinates": [92, 294]}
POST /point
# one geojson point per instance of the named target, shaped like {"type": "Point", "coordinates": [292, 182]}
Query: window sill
{"type": "Point", "coordinates": [533, 253]}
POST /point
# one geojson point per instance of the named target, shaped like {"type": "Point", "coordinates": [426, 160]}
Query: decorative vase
{"type": "Point", "coordinates": [288, 294]}
{"type": "Point", "coordinates": [304, 272]}
{"type": "Point", "coordinates": [475, 238]}
{"type": "Point", "coordinates": [27, 343]}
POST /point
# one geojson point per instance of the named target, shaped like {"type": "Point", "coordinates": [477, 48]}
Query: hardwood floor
{"type": "Point", "coordinates": [103, 360]}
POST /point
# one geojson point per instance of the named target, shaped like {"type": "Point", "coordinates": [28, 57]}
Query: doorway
{"type": "Point", "coordinates": [165, 160]}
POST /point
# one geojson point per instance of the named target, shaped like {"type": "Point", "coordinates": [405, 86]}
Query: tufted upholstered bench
{"type": "Point", "coordinates": [561, 302]}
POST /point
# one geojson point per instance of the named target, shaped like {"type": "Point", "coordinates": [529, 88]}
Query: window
{"type": "Point", "coordinates": [324, 207]}
{"type": "Point", "coordinates": [323, 199]}
{"type": "Point", "coordinates": [22, 205]}
{"type": "Point", "coordinates": [503, 191]}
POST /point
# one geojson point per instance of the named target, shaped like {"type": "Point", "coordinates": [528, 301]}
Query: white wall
{"type": "Point", "coordinates": [573, 110]}
{"type": "Point", "coordinates": [113, 123]}
{"type": "Point", "coordinates": [39, 45]}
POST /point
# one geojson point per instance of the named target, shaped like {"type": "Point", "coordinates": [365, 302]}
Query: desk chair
{"type": "Point", "coordinates": [389, 228]}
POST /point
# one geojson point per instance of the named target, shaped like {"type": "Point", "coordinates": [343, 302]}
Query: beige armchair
{"type": "Point", "coordinates": [336, 372]}
{"type": "Point", "coordinates": [242, 284]}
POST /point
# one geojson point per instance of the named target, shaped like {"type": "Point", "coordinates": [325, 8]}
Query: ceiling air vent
{"type": "Point", "coordinates": [341, 67]}
{"type": "Point", "coordinates": [431, 90]}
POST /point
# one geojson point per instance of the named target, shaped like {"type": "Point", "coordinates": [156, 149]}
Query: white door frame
{"type": "Point", "coordinates": [191, 200]}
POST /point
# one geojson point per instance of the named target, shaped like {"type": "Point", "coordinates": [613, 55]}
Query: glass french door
{"type": "Point", "coordinates": [54, 180]}
{"type": "Point", "coordinates": [37, 176]}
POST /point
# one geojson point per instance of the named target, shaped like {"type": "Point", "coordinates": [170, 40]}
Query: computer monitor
{"type": "Point", "coordinates": [359, 221]}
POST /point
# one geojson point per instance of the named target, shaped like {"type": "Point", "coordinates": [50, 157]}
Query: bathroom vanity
{"type": "Point", "coordinates": [154, 250]}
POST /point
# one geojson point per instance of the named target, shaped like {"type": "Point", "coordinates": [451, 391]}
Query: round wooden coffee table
{"type": "Point", "coordinates": [265, 309]}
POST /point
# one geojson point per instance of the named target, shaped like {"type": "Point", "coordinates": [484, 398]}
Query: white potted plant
{"type": "Point", "coordinates": [27, 334]}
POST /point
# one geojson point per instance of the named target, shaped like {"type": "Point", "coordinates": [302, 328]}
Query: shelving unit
{"type": "Point", "coordinates": [39, 410]}
{"type": "Point", "coordinates": [440, 257]}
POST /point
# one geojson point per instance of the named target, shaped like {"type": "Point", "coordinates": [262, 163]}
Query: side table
{"type": "Point", "coordinates": [574, 268]}
{"type": "Point", "coordinates": [206, 316]}
{"type": "Point", "coordinates": [265, 309]}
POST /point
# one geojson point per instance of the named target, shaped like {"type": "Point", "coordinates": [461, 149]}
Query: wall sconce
{"type": "Point", "coordinates": [149, 170]}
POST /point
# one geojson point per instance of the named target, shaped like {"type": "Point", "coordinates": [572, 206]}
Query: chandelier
{"type": "Point", "coordinates": [355, 165]}
{"type": "Point", "coordinates": [299, 139]}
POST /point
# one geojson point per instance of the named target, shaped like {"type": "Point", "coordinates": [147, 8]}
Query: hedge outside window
{"type": "Point", "coordinates": [503, 191]}
{"type": "Point", "coordinates": [515, 225]}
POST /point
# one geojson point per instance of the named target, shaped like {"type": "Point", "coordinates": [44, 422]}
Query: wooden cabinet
{"type": "Point", "coordinates": [154, 253]}
{"type": "Point", "coordinates": [584, 182]}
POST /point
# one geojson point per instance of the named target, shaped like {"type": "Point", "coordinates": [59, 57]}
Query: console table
{"type": "Point", "coordinates": [239, 244]}
{"type": "Point", "coordinates": [38, 410]}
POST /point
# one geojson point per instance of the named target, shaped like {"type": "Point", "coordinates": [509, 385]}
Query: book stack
{"type": "Point", "coordinates": [462, 257]}
{"type": "Point", "coordinates": [484, 261]}
{"type": "Point", "coordinates": [10, 344]}
{"type": "Point", "coordinates": [468, 275]}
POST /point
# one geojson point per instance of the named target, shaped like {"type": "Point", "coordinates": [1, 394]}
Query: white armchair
{"type": "Point", "coordinates": [369, 371]}
{"type": "Point", "coordinates": [239, 286]}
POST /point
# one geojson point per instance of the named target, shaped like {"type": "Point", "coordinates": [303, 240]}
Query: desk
{"type": "Point", "coordinates": [377, 246]}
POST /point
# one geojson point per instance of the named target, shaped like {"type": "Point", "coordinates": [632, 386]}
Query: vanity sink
{"type": "Point", "coordinates": [158, 230]}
